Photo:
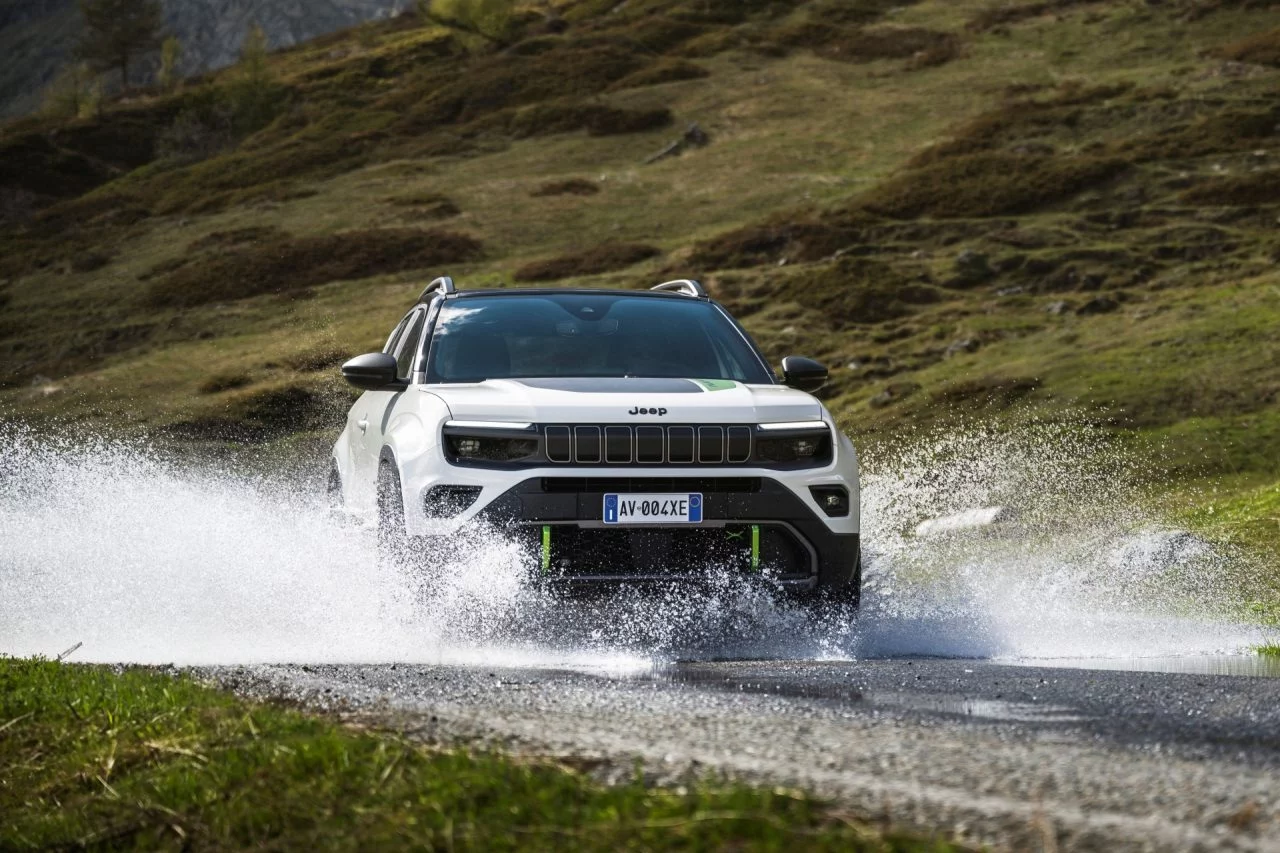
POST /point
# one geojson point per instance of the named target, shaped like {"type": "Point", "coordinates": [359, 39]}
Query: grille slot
{"type": "Point", "coordinates": [651, 485]}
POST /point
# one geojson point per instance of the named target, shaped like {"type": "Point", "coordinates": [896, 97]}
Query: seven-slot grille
{"type": "Point", "coordinates": [618, 444]}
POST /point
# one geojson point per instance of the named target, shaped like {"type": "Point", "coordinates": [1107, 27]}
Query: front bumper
{"type": "Point", "coordinates": [751, 525]}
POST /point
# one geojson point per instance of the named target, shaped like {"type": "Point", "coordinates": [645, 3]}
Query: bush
{"type": "Point", "coordinates": [285, 264]}
{"type": "Point", "coordinates": [986, 184]}
{"type": "Point", "coordinates": [601, 259]}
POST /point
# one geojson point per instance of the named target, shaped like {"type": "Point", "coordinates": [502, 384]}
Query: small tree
{"type": "Point", "coordinates": [118, 31]}
{"type": "Point", "coordinates": [255, 97]}
{"type": "Point", "coordinates": [492, 20]}
{"type": "Point", "coordinates": [170, 56]}
{"type": "Point", "coordinates": [70, 93]}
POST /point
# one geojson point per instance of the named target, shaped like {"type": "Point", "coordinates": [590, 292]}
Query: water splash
{"type": "Point", "coordinates": [147, 560]}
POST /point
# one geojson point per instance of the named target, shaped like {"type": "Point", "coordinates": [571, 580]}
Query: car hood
{"type": "Point", "coordinates": [602, 401]}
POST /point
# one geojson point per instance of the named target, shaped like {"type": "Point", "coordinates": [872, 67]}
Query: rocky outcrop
{"type": "Point", "coordinates": [36, 36]}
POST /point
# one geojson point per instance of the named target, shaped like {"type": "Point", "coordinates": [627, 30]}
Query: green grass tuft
{"type": "Point", "coordinates": [93, 757]}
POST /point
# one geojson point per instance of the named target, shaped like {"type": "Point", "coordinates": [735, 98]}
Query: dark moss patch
{"type": "Point", "coordinates": [796, 240]}
{"type": "Point", "coordinates": [868, 45]}
{"type": "Point", "coordinates": [1019, 121]}
{"type": "Point", "coordinates": [1221, 131]}
{"type": "Point", "coordinates": [855, 290]}
{"type": "Point", "coordinates": [1008, 13]}
{"type": "Point", "coordinates": [601, 259]}
{"type": "Point", "coordinates": [426, 205]}
{"type": "Point", "coordinates": [987, 184]}
{"type": "Point", "coordinates": [1260, 49]}
{"type": "Point", "coordinates": [665, 71]}
{"type": "Point", "coordinates": [257, 416]}
{"type": "Point", "coordinates": [321, 358]}
{"type": "Point", "coordinates": [288, 265]}
{"type": "Point", "coordinates": [236, 237]}
{"type": "Point", "coordinates": [1262, 187]}
{"type": "Point", "coordinates": [569, 186]}
{"type": "Point", "coordinates": [561, 117]}
{"type": "Point", "coordinates": [505, 81]}
{"type": "Point", "coordinates": [220, 382]}
{"type": "Point", "coordinates": [989, 389]}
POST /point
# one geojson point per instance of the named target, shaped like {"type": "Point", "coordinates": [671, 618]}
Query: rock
{"type": "Point", "coordinates": [1011, 291]}
{"type": "Point", "coordinates": [1093, 281]}
{"type": "Point", "coordinates": [962, 346]}
{"type": "Point", "coordinates": [1060, 307]}
{"type": "Point", "coordinates": [1097, 305]}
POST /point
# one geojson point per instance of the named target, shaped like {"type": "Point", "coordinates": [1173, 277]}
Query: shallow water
{"type": "Point", "coordinates": [143, 560]}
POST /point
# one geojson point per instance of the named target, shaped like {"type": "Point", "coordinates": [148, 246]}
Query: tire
{"type": "Point", "coordinates": [392, 539]}
{"type": "Point", "coordinates": [826, 602]}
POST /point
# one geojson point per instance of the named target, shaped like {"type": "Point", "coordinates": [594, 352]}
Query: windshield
{"type": "Point", "coordinates": [577, 334]}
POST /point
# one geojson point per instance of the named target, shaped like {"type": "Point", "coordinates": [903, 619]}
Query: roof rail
{"type": "Point", "coordinates": [687, 286]}
{"type": "Point", "coordinates": [443, 285]}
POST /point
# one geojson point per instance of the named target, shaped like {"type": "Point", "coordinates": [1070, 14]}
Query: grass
{"type": "Point", "coordinates": [1271, 650]}
{"type": "Point", "coordinates": [100, 757]}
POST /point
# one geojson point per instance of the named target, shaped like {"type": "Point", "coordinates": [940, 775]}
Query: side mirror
{"type": "Point", "coordinates": [803, 373]}
{"type": "Point", "coordinates": [375, 371]}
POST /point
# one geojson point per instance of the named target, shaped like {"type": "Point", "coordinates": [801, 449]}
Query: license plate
{"type": "Point", "coordinates": [653, 509]}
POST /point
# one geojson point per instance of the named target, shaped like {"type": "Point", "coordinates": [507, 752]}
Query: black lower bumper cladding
{"type": "Point", "coordinates": [750, 525]}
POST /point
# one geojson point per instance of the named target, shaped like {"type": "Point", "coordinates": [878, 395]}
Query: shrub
{"type": "Point", "coordinates": [286, 264]}
{"type": "Point", "coordinates": [569, 186]}
{"type": "Point", "coordinates": [986, 184]}
{"type": "Point", "coordinates": [601, 259]}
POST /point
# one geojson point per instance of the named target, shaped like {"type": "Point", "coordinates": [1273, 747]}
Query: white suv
{"type": "Point", "coordinates": [626, 437]}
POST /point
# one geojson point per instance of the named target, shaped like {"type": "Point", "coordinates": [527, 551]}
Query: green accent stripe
{"type": "Point", "coordinates": [546, 548]}
{"type": "Point", "coordinates": [755, 547]}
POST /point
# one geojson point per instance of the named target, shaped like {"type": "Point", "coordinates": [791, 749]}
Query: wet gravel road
{"type": "Point", "coordinates": [1016, 757]}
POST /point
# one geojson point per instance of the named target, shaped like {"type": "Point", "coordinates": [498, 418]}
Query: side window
{"type": "Point", "coordinates": [394, 340]}
{"type": "Point", "coordinates": [409, 345]}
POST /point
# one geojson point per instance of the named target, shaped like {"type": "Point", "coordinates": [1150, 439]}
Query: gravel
{"type": "Point", "coordinates": [1011, 756]}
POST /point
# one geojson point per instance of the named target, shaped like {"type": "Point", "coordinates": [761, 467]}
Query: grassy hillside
{"type": "Point", "coordinates": [964, 207]}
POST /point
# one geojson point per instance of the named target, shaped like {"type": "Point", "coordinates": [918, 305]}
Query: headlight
{"type": "Point", "coordinates": [477, 443]}
{"type": "Point", "coordinates": [802, 447]}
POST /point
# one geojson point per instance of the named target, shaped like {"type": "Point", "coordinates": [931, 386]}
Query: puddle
{"type": "Point", "coordinates": [1258, 666]}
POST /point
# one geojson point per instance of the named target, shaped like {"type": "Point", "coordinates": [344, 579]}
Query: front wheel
{"type": "Point", "coordinates": [392, 539]}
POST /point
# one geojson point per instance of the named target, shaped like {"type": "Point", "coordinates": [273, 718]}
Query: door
{"type": "Point", "coordinates": [381, 404]}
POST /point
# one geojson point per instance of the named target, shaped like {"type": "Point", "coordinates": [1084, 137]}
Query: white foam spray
{"type": "Point", "coordinates": [145, 560]}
